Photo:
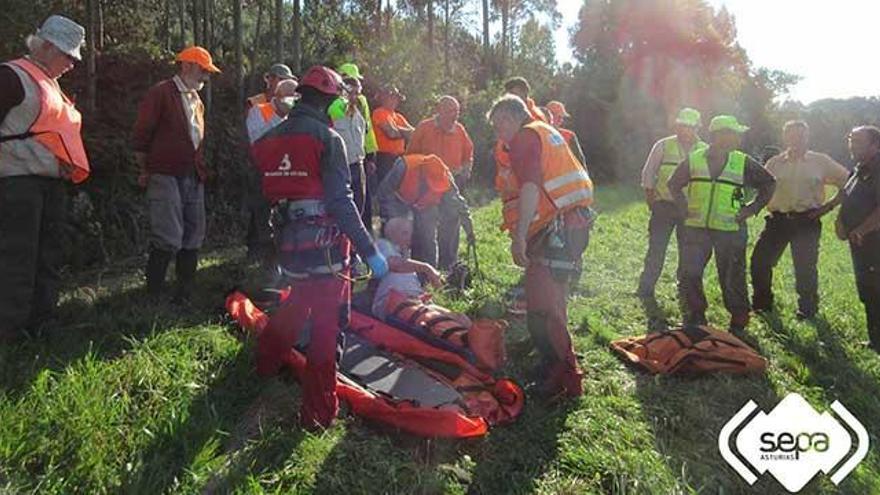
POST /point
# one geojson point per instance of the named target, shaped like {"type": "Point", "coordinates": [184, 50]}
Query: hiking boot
{"type": "Point", "coordinates": [185, 268]}
{"type": "Point", "coordinates": [157, 266]}
{"type": "Point", "coordinates": [563, 381]}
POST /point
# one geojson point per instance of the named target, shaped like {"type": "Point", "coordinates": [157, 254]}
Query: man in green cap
{"type": "Point", "coordinates": [350, 114]}
{"type": "Point", "coordinates": [715, 219]}
{"type": "Point", "coordinates": [665, 156]}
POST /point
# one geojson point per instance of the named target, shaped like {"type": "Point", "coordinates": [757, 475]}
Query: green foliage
{"type": "Point", "coordinates": [643, 60]}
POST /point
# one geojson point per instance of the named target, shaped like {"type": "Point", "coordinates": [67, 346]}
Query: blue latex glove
{"type": "Point", "coordinates": [378, 264]}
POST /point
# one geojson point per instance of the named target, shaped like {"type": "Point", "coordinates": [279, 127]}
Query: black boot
{"type": "Point", "coordinates": [185, 268]}
{"type": "Point", "coordinates": [157, 266]}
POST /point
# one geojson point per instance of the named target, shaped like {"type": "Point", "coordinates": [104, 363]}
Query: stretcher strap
{"type": "Point", "coordinates": [417, 314]}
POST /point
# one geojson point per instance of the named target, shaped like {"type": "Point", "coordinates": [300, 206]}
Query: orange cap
{"type": "Point", "coordinates": [197, 55]}
{"type": "Point", "coordinates": [557, 109]}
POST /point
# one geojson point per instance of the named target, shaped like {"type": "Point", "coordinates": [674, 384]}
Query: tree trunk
{"type": "Point", "coordinates": [430, 7]}
{"type": "Point", "coordinates": [239, 56]}
{"type": "Point", "coordinates": [379, 20]}
{"type": "Point", "coordinates": [207, 44]}
{"type": "Point", "coordinates": [181, 17]}
{"type": "Point", "coordinates": [447, 68]}
{"type": "Point", "coordinates": [166, 25]}
{"type": "Point", "coordinates": [258, 31]}
{"type": "Point", "coordinates": [196, 22]}
{"type": "Point", "coordinates": [297, 37]}
{"type": "Point", "coordinates": [505, 27]}
{"type": "Point", "coordinates": [91, 66]}
{"type": "Point", "coordinates": [208, 24]}
{"type": "Point", "coordinates": [99, 40]}
{"type": "Point", "coordinates": [486, 30]}
{"type": "Point", "coordinates": [279, 32]}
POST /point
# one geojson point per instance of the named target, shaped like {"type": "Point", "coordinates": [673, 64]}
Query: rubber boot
{"type": "Point", "coordinates": [157, 266]}
{"type": "Point", "coordinates": [738, 324]}
{"type": "Point", "coordinates": [536, 324]}
{"type": "Point", "coordinates": [562, 380]}
{"type": "Point", "coordinates": [185, 269]}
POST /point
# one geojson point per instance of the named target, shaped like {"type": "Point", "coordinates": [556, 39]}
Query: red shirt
{"type": "Point", "coordinates": [162, 132]}
{"type": "Point", "coordinates": [525, 157]}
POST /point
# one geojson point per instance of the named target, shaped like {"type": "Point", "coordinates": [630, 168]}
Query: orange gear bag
{"type": "Point", "coordinates": [690, 350]}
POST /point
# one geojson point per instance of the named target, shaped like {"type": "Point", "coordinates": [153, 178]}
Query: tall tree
{"type": "Point", "coordinates": [91, 63]}
{"type": "Point", "coordinates": [446, 18]}
{"type": "Point", "coordinates": [297, 36]}
{"type": "Point", "coordinates": [430, 11]}
{"type": "Point", "coordinates": [279, 30]}
{"type": "Point", "coordinates": [254, 54]}
{"type": "Point", "coordinates": [239, 55]}
{"type": "Point", "coordinates": [486, 46]}
{"type": "Point", "coordinates": [181, 22]}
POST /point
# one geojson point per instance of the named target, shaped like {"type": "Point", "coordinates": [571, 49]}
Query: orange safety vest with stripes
{"type": "Point", "coordinates": [425, 181]}
{"type": "Point", "coordinates": [566, 184]}
{"type": "Point", "coordinates": [58, 125]}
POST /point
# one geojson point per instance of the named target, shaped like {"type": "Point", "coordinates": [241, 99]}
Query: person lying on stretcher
{"type": "Point", "coordinates": [400, 299]}
{"type": "Point", "coordinates": [403, 272]}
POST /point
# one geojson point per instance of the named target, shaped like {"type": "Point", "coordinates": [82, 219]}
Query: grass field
{"type": "Point", "coordinates": [124, 397]}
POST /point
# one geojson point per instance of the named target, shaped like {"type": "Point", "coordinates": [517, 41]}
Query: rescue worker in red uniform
{"type": "Point", "coordinates": [315, 221]}
{"type": "Point", "coordinates": [546, 196]}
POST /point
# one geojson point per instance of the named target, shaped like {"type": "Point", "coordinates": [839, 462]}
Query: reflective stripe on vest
{"type": "Point", "coordinates": [672, 157]}
{"type": "Point", "coordinates": [714, 203]}
{"type": "Point", "coordinates": [58, 124]}
{"type": "Point", "coordinates": [566, 184]}
{"type": "Point", "coordinates": [425, 181]}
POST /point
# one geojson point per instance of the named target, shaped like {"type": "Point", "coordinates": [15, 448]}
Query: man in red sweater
{"type": "Point", "coordinates": [168, 143]}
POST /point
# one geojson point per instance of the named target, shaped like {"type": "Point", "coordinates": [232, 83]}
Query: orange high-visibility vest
{"type": "Point", "coordinates": [257, 99]}
{"type": "Point", "coordinates": [425, 181]}
{"type": "Point", "coordinates": [502, 161]}
{"type": "Point", "coordinates": [58, 124]}
{"type": "Point", "coordinates": [566, 184]}
{"type": "Point", "coordinates": [267, 111]}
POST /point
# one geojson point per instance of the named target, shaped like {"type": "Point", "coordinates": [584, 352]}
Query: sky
{"type": "Point", "coordinates": [831, 44]}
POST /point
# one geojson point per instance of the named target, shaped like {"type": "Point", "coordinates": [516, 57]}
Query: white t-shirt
{"type": "Point", "coordinates": [352, 129]}
{"type": "Point", "coordinates": [406, 283]}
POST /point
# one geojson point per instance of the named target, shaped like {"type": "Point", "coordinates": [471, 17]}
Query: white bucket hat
{"type": "Point", "coordinates": [65, 34]}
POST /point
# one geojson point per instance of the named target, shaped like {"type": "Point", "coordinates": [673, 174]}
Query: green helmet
{"type": "Point", "coordinates": [349, 70]}
{"type": "Point", "coordinates": [688, 117]}
{"type": "Point", "coordinates": [726, 122]}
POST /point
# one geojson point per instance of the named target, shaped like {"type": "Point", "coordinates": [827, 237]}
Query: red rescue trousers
{"type": "Point", "coordinates": [326, 302]}
{"type": "Point", "coordinates": [546, 303]}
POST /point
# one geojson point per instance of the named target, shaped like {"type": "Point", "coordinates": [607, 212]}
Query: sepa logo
{"type": "Point", "coordinates": [793, 442]}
